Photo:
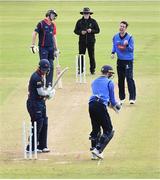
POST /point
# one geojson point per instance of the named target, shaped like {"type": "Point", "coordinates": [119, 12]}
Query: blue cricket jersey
{"type": "Point", "coordinates": [123, 52]}
{"type": "Point", "coordinates": [103, 88]}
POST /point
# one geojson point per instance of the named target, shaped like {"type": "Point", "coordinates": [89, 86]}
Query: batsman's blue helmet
{"type": "Point", "coordinates": [107, 69]}
{"type": "Point", "coordinates": [44, 65]}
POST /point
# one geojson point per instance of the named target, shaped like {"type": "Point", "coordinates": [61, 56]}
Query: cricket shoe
{"type": "Point", "coordinates": [39, 151]}
{"type": "Point", "coordinates": [94, 157]}
{"type": "Point", "coordinates": [122, 101]}
{"type": "Point", "coordinates": [46, 150]}
{"type": "Point", "coordinates": [97, 153]}
{"type": "Point", "coordinates": [132, 102]}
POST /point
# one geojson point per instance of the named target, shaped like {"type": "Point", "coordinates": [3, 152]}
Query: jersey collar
{"type": "Point", "coordinates": [122, 37]}
{"type": "Point", "coordinates": [39, 72]}
{"type": "Point", "coordinates": [47, 21]}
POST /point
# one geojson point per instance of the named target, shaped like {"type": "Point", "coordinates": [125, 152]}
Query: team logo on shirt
{"type": "Point", "coordinates": [39, 83]}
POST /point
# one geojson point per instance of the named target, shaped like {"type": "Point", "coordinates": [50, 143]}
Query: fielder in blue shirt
{"type": "Point", "coordinates": [102, 96]}
{"type": "Point", "coordinates": [123, 46]}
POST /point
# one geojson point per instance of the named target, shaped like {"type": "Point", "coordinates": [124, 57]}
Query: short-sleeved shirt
{"type": "Point", "coordinates": [103, 88]}
{"type": "Point", "coordinates": [127, 52]}
{"type": "Point", "coordinates": [36, 81]}
{"type": "Point", "coordinates": [46, 31]}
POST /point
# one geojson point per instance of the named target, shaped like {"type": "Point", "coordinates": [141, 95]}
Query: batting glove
{"type": "Point", "coordinates": [117, 108]}
{"type": "Point", "coordinates": [112, 56]}
{"type": "Point", "coordinates": [34, 49]}
{"type": "Point", "coordinates": [51, 93]}
{"type": "Point", "coordinates": [49, 88]}
{"type": "Point", "coordinates": [56, 53]}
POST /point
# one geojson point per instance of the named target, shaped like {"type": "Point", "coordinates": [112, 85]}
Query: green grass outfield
{"type": "Point", "coordinates": [135, 150]}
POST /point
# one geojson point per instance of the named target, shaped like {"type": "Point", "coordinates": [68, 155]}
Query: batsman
{"type": "Point", "coordinates": [36, 105]}
{"type": "Point", "coordinates": [102, 97]}
{"type": "Point", "coordinates": [46, 30]}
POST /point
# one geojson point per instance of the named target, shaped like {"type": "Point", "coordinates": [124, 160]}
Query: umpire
{"type": "Point", "coordinates": [102, 95]}
{"type": "Point", "coordinates": [86, 28]}
{"type": "Point", "coordinates": [36, 104]}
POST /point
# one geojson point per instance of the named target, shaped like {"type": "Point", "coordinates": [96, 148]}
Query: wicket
{"type": "Point", "coordinates": [32, 134]}
{"type": "Point", "coordinates": [80, 68]}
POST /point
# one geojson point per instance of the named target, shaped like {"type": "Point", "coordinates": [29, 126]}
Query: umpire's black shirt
{"type": "Point", "coordinates": [84, 24]}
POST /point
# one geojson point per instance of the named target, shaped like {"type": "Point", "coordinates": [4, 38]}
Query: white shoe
{"type": "Point", "coordinates": [132, 102]}
{"type": "Point", "coordinates": [39, 151]}
{"type": "Point", "coordinates": [96, 152]}
{"type": "Point", "coordinates": [45, 150]}
{"type": "Point", "coordinates": [94, 157]}
{"type": "Point", "coordinates": [122, 101]}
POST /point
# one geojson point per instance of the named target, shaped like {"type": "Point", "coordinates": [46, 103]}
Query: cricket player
{"type": "Point", "coordinates": [86, 28]}
{"type": "Point", "coordinates": [102, 96]}
{"type": "Point", "coordinates": [123, 46]}
{"type": "Point", "coordinates": [46, 29]}
{"type": "Point", "coordinates": [36, 105]}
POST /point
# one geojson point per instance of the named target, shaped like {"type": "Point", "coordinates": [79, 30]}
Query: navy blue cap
{"type": "Point", "coordinates": [106, 69]}
{"type": "Point", "coordinates": [44, 65]}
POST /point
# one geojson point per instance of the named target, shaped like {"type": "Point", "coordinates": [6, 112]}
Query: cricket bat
{"type": "Point", "coordinates": [59, 77]}
{"type": "Point", "coordinates": [58, 72]}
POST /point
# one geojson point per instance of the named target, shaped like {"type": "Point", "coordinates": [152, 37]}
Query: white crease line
{"type": "Point", "coordinates": [99, 162]}
{"type": "Point", "coordinates": [67, 153]}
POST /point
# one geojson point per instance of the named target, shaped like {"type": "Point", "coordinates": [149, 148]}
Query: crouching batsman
{"type": "Point", "coordinates": [36, 104]}
{"type": "Point", "coordinates": [102, 97]}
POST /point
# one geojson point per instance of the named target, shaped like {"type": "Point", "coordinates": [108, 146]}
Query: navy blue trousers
{"type": "Point", "coordinates": [48, 53]}
{"type": "Point", "coordinates": [99, 119]}
{"type": "Point", "coordinates": [125, 70]}
{"type": "Point", "coordinates": [37, 112]}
